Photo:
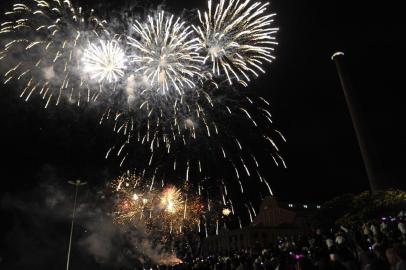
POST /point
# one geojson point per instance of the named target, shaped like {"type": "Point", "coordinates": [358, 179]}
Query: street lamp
{"type": "Point", "coordinates": [77, 184]}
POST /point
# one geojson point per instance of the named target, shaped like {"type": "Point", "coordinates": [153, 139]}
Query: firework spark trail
{"type": "Point", "coordinates": [166, 54]}
{"type": "Point", "coordinates": [183, 135]}
{"type": "Point", "coordinates": [194, 122]}
{"type": "Point", "coordinates": [46, 38]}
{"type": "Point", "coordinates": [104, 61]}
{"type": "Point", "coordinates": [237, 38]}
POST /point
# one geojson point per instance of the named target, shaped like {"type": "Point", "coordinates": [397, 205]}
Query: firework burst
{"type": "Point", "coordinates": [104, 61]}
{"type": "Point", "coordinates": [237, 38]}
{"type": "Point", "coordinates": [165, 209]}
{"type": "Point", "coordinates": [165, 53]}
{"type": "Point", "coordinates": [171, 200]}
{"type": "Point", "coordinates": [41, 43]}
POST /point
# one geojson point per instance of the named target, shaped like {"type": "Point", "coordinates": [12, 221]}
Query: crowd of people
{"type": "Point", "coordinates": [373, 245]}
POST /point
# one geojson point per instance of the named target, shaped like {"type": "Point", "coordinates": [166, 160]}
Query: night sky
{"type": "Point", "coordinates": [63, 143]}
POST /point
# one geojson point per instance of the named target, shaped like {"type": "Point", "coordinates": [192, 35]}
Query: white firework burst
{"type": "Point", "coordinates": [237, 37]}
{"type": "Point", "coordinates": [165, 53]}
{"type": "Point", "coordinates": [41, 44]}
{"type": "Point", "coordinates": [104, 61]}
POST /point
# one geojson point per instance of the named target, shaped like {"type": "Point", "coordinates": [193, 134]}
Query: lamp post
{"type": "Point", "coordinates": [369, 157]}
{"type": "Point", "coordinates": [77, 184]}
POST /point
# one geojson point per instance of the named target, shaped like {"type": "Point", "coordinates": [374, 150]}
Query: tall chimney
{"type": "Point", "coordinates": [368, 153]}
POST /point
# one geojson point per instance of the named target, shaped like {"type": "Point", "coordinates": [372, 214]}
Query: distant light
{"type": "Point", "coordinates": [290, 205]}
{"type": "Point", "coordinates": [318, 206]}
{"type": "Point", "coordinates": [336, 54]}
{"type": "Point", "coordinates": [305, 206]}
{"type": "Point", "coordinates": [226, 211]}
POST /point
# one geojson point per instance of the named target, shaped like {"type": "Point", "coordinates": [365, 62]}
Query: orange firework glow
{"type": "Point", "coordinates": [169, 209]}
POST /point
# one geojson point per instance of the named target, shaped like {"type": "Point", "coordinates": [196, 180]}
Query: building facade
{"type": "Point", "coordinates": [275, 219]}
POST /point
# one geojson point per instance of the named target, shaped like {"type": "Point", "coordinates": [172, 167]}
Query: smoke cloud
{"type": "Point", "coordinates": [38, 231]}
